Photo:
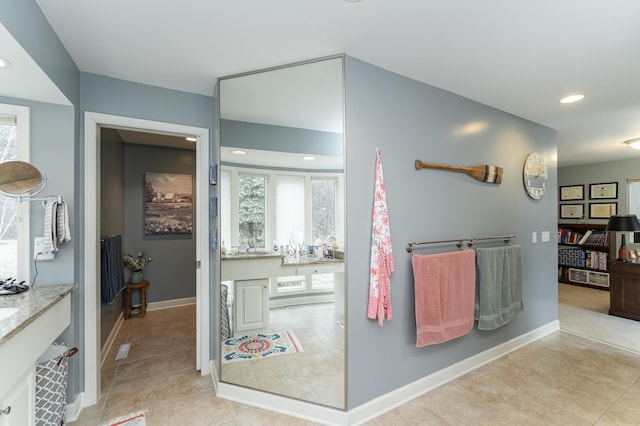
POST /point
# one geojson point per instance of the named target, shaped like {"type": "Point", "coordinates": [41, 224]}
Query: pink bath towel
{"type": "Point", "coordinates": [445, 295]}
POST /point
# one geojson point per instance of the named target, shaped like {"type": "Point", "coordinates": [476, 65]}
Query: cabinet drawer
{"type": "Point", "coordinates": [578, 275]}
{"type": "Point", "coordinates": [599, 279]}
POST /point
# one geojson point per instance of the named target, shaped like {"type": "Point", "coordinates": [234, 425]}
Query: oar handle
{"type": "Point", "coordinates": [423, 165]}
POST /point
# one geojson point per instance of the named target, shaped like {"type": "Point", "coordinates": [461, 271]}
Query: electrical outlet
{"type": "Point", "coordinates": [40, 251]}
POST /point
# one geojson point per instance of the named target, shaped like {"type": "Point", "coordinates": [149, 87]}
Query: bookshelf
{"type": "Point", "coordinates": [583, 255]}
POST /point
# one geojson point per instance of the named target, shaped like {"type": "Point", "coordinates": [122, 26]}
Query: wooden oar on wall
{"type": "Point", "coordinates": [483, 173]}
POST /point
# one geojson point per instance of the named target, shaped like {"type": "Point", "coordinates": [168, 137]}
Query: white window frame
{"type": "Point", "coordinates": [272, 178]}
{"type": "Point", "coordinates": [23, 124]}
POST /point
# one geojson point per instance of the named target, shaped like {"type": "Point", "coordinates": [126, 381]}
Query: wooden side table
{"type": "Point", "coordinates": [129, 287]}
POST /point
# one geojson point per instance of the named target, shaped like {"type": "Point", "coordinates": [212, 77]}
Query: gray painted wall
{"type": "Point", "coordinates": [52, 152]}
{"type": "Point", "coordinates": [172, 273]}
{"type": "Point", "coordinates": [106, 95]}
{"type": "Point", "coordinates": [28, 25]}
{"type": "Point", "coordinates": [611, 171]}
{"type": "Point", "coordinates": [242, 134]}
{"type": "Point", "coordinates": [409, 120]}
{"type": "Point", "coordinates": [54, 135]}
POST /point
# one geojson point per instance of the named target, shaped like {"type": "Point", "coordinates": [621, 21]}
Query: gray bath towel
{"type": "Point", "coordinates": [498, 286]}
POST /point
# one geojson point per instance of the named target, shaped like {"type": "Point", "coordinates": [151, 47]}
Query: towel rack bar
{"type": "Point", "coordinates": [460, 241]}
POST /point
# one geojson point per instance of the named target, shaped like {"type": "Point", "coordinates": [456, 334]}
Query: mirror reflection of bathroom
{"type": "Point", "coordinates": [282, 231]}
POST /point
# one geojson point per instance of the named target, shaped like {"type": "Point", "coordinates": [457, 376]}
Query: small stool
{"type": "Point", "coordinates": [129, 287]}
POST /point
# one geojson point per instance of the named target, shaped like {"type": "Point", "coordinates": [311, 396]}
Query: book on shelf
{"type": "Point", "coordinates": [589, 237]}
{"type": "Point", "coordinates": [585, 237]}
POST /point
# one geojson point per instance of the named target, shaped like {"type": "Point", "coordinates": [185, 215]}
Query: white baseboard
{"type": "Point", "coordinates": [174, 303]}
{"type": "Point", "coordinates": [387, 402]}
{"type": "Point", "coordinates": [400, 396]}
{"type": "Point", "coordinates": [214, 375]}
{"type": "Point", "coordinates": [112, 337]}
{"type": "Point", "coordinates": [283, 405]}
{"type": "Point", "coordinates": [74, 408]}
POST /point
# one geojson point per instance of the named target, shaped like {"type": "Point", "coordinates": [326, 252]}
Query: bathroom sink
{"type": "Point", "coordinates": [7, 312]}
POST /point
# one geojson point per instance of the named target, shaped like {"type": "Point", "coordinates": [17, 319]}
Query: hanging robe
{"type": "Point", "coordinates": [381, 253]}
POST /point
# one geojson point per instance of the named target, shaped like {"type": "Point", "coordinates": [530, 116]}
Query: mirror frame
{"type": "Point", "coordinates": [219, 144]}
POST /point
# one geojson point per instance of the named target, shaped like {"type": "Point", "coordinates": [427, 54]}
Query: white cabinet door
{"type": "Point", "coordinates": [252, 304]}
{"type": "Point", "coordinates": [18, 406]}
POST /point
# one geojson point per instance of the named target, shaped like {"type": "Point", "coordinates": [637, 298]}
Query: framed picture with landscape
{"type": "Point", "coordinates": [168, 204]}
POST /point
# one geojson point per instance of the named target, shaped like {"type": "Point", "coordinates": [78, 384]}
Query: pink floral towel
{"type": "Point", "coordinates": [381, 253]}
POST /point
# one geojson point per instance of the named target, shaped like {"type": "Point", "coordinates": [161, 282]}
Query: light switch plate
{"type": "Point", "coordinates": [545, 236]}
{"type": "Point", "coordinates": [534, 237]}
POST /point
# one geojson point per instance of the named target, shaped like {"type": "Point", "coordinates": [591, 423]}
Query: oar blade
{"type": "Point", "coordinates": [486, 173]}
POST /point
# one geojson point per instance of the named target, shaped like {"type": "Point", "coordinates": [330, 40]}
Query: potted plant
{"type": "Point", "coordinates": [136, 265]}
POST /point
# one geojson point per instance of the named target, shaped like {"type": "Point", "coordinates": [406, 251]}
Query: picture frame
{"type": "Point", "coordinates": [602, 210]}
{"type": "Point", "coordinates": [168, 199]}
{"type": "Point", "coordinates": [572, 192]}
{"type": "Point", "coordinates": [602, 191]}
{"type": "Point", "coordinates": [571, 211]}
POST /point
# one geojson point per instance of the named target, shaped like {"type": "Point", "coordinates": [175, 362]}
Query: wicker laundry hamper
{"type": "Point", "coordinates": [51, 385]}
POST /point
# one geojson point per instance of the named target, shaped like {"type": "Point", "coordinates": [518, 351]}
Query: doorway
{"type": "Point", "coordinates": [92, 124]}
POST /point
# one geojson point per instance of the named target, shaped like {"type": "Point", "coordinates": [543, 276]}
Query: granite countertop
{"type": "Point", "coordinates": [304, 260]}
{"type": "Point", "coordinates": [31, 304]}
{"type": "Point", "coordinates": [250, 255]}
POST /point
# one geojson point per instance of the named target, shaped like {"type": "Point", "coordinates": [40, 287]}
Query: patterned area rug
{"type": "Point", "coordinates": [131, 419]}
{"type": "Point", "coordinates": [260, 345]}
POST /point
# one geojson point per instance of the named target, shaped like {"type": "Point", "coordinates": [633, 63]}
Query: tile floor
{"type": "Point", "coordinates": [561, 379]}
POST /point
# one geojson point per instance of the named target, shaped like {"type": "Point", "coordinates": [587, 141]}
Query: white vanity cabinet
{"type": "Point", "coordinates": [42, 314]}
{"type": "Point", "coordinates": [252, 304]}
{"type": "Point", "coordinates": [17, 406]}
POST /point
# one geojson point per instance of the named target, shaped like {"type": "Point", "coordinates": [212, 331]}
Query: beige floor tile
{"type": "Point", "coordinates": [561, 379]}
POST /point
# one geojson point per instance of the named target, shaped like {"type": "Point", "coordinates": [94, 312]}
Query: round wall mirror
{"type": "Point", "coordinates": [18, 179]}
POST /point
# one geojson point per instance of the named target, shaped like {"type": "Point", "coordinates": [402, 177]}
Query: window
{"type": "Point", "coordinates": [323, 210]}
{"type": "Point", "coordinates": [290, 211]}
{"type": "Point", "coordinates": [252, 202]}
{"type": "Point", "coordinates": [260, 208]}
{"type": "Point", "coordinates": [634, 203]}
{"type": "Point", "coordinates": [14, 216]}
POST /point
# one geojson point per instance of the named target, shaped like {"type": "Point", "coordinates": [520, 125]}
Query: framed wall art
{"type": "Point", "coordinates": [602, 210]}
{"type": "Point", "coordinates": [572, 192]}
{"type": "Point", "coordinates": [571, 211]}
{"type": "Point", "coordinates": [602, 191]}
{"type": "Point", "coordinates": [168, 204]}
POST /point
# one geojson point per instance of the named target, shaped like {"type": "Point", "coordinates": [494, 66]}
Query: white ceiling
{"type": "Point", "coordinates": [520, 57]}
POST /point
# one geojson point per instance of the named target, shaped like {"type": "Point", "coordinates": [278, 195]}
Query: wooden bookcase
{"type": "Point", "coordinates": [583, 260]}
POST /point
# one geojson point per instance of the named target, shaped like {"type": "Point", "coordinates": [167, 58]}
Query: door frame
{"type": "Point", "coordinates": [90, 274]}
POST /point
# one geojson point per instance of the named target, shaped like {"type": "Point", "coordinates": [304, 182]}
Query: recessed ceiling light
{"type": "Point", "coordinates": [572, 98]}
{"type": "Point", "coordinates": [633, 143]}
{"type": "Point", "coordinates": [238, 152]}
{"type": "Point", "coordinates": [191, 139]}
{"type": "Point", "coordinates": [308, 158]}
{"type": "Point", "coordinates": [4, 63]}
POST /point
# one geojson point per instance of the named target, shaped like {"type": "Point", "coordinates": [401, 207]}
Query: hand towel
{"type": "Point", "coordinates": [444, 286]}
{"type": "Point", "coordinates": [50, 223]}
{"type": "Point", "coordinates": [112, 270]}
{"type": "Point", "coordinates": [498, 286]}
{"type": "Point", "coordinates": [63, 233]}
{"type": "Point", "coordinates": [381, 253]}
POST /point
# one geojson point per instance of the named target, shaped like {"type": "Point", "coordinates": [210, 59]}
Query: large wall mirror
{"type": "Point", "coordinates": [282, 236]}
